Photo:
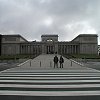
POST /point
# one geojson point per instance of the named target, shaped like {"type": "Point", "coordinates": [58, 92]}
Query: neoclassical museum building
{"type": "Point", "coordinates": [49, 44]}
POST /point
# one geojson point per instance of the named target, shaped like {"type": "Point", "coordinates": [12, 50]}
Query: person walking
{"type": "Point", "coordinates": [61, 61]}
{"type": "Point", "coordinates": [55, 61]}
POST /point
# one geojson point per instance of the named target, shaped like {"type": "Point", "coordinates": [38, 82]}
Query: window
{"type": "Point", "coordinates": [49, 40]}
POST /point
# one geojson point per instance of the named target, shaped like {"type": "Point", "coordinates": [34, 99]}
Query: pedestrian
{"type": "Point", "coordinates": [55, 61]}
{"type": "Point", "coordinates": [61, 61]}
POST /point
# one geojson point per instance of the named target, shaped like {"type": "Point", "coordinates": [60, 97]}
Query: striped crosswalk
{"type": "Point", "coordinates": [50, 83]}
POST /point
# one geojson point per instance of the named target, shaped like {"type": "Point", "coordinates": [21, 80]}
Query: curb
{"type": "Point", "coordinates": [23, 63]}
{"type": "Point", "coordinates": [77, 62]}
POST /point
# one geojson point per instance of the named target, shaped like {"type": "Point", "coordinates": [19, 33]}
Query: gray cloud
{"type": "Point", "coordinates": [67, 18]}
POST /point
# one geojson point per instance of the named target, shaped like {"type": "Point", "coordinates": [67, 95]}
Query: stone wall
{"type": "Point", "coordinates": [10, 49]}
{"type": "Point", "coordinates": [88, 43]}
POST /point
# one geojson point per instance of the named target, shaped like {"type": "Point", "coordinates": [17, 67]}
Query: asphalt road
{"type": "Point", "coordinates": [50, 97]}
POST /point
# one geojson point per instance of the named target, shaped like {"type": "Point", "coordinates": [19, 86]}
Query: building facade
{"type": "Point", "coordinates": [49, 44]}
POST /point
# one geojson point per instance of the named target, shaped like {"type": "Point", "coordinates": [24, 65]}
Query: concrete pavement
{"type": "Point", "coordinates": [43, 62]}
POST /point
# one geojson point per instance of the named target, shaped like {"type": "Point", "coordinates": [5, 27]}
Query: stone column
{"type": "Point", "coordinates": [56, 47]}
{"type": "Point", "coordinates": [64, 49]}
{"type": "Point", "coordinates": [75, 49]}
{"type": "Point", "coordinates": [72, 49]}
{"type": "Point", "coordinates": [43, 49]}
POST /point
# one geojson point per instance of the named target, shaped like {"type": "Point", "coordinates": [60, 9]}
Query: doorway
{"type": "Point", "coordinates": [50, 49]}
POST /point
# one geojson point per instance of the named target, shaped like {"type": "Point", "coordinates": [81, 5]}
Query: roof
{"type": "Point", "coordinates": [85, 35]}
{"type": "Point", "coordinates": [49, 35]}
{"type": "Point", "coordinates": [15, 35]}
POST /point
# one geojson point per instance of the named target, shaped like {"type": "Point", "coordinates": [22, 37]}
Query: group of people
{"type": "Point", "coordinates": [56, 60]}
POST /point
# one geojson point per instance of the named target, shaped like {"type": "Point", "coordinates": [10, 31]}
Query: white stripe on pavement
{"type": "Point", "coordinates": [49, 78]}
{"type": "Point", "coordinates": [50, 93]}
{"type": "Point", "coordinates": [21, 73]}
{"type": "Point", "coordinates": [51, 86]}
{"type": "Point", "coordinates": [47, 75]}
{"type": "Point", "coordinates": [50, 81]}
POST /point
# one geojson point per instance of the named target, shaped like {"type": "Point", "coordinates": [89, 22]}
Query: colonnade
{"type": "Point", "coordinates": [30, 49]}
{"type": "Point", "coordinates": [37, 49]}
{"type": "Point", "coordinates": [68, 49]}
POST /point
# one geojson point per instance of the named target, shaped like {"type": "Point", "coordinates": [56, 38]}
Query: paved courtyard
{"type": "Point", "coordinates": [43, 62]}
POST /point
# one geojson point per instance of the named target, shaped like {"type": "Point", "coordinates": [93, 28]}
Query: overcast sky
{"type": "Point", "coordinates": [67, 18]}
